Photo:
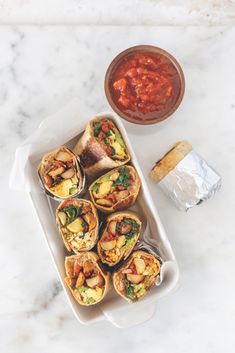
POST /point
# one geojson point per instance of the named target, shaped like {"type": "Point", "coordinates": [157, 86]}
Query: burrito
{"type": "Point", "coordinates": [61, 174]}
{"type": "Point", "coordinates": [86, 279]}
{"type": "Point", "coordinates": [119, 237]}
{"type": "Point", "coordinates": [101, 147]}
{"type": "Point", "coordinates": [115, 190]}
{"type": "Point", "coordinates": [136, 276]}
{"type": "Point", "coordinates": [78, 224]}
{"type": "Point", "coordinates": [185, 176]}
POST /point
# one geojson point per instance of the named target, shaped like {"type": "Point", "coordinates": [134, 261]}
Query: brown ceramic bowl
{"type": "Point", "coordinates": [151, 50]}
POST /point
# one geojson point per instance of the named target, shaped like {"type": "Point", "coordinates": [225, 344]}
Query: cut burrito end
{"type": "Point", "coordinates": [115, 190]}
{"type": "Point", "coordinates": [168, 162]}
{"type": "Point", "coordinates": [119, 237]}
{"type": "Point", "coordinates": [61, 174]}
{"type": "Point", "coordinates": [101, 146]}
{"type": "Point", "coordinates": [86, 279]}
{"type": "Point", "coordinates": [78, 224]}
{"type": "Point", "coordinates": [109, 137]}
{"type": "Point", "coordinates": [136, 276]}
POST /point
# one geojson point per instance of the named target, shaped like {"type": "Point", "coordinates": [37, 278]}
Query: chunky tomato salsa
{"type": "Point", "coordinates": [145, 86]}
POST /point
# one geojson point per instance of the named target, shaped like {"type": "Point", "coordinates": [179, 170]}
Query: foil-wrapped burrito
{"type": "Point", "coordinates": [185, 176]}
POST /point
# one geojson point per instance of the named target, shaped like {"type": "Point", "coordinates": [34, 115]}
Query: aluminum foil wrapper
{"type": "Point", "coordinates": [143, 245]}
{"type": "Point", "coordinates": [191, 182]}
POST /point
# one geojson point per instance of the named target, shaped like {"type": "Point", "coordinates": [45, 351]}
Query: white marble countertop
{"type": "Point", "coordinates": [41, 69]}
{"type": "Point", "coordinates": [121, 12]}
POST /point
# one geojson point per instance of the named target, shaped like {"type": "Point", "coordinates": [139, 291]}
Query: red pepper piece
{"type": "Point", "coordinates": [88, 274]}
{"type": "Point", "coordinates": [48, 180]}
{"type": "Point", "coordinates": [58, 164]}
{"type": "Point", "coordinates": [108, 150]}
{"type": "Point", "coordinates": [121, 187]}
{"type": "Point", "coordinates": [101, 135]}
{"type": "Point", "coordinates": [69, 164]}
{"type": "Point", "coordinates": [105, 127]}
{"type": "Point", "coordinates": [133, 269]}
{"type": "Point", "coordinates": [111, 197]}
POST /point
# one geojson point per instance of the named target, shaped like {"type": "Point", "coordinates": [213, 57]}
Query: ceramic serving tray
{"type": "Point", "coordinates": [65, 127]}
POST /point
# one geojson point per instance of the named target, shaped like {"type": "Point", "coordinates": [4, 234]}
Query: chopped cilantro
{"type": "Point", "coordinates": [123, 178]}
{"type": "Point", "coordinates": [72, 212]}
{"type": "Point", "coordinates": [97, 126]}
{"type": "Point", "coordinates": [135, 227]}
{"type": "Point", "coordinates": [56, 181]}
{"type": "Point", "coordinates": [130, 221]}
{"type": "Point", "coordinates": [128, 241]}
{"type": "Point", "coordinates": [113, 152]}
{"type": "Point", "coordinates": [129, 290]}
{"type": "Point", "coordinates": [84, 226]}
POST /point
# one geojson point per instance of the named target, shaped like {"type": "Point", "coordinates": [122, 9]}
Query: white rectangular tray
{"type": "Point", "coordinates": [64, 128]}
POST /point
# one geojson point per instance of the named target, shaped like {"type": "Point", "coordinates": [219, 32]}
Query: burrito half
{"type": "Point", "coordinates": [119, 237]}
{"type": "Point", "coordinates": [101, 147]}
{"type": "Point", "coordinates": [86, 279]}
{"type": "Point", "coordinates": [136, 276]}
{"type": "Point", "coordinates": [61, 174]}
{"type": "Point", "coordinates": [78, 224]}
{"type": "Point", "coordinates": [115, 190]}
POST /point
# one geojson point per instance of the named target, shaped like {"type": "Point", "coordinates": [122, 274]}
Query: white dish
{"type": "Point", "coordinates": [64, 128]}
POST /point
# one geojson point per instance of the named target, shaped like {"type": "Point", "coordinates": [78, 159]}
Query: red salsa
{"type": "Point", "coordinates": [145, 86]}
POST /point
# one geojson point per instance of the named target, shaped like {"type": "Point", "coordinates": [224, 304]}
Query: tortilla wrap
{"type": "Point", "coordinates": [107, 198]}
{"type": "Point", "coordinates": [119, 237]}
{"type": "Point", "coordinates": [78, 269]}
{"type": "Point", "coordinates": [168, 162]}
{"type": "Point", "coordinates": [133, 280]}
{"type": "Point", "coordinates": [78, 224]}
{"type": "Point", "coordinates": [61, 175]}
{"type": "Point", "coordinates": [93, 153]}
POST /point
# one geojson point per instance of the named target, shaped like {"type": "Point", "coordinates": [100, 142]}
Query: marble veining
{"type": "Point", "coordinates": [43, 68]}
{"type": "Point", "coordinates": [122, 12]}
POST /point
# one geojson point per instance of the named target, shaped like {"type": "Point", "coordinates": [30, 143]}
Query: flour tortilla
{"type": "Point", "coordinates": [125, 252]}
{"type": "Point", "coordinates": [170, 160]}
{"type": "Point", "coordinates": [117, 276]}
{"type": "Point", "coordinates": [44, 161]}
{"type": "Point", "coordinates": [125, 203]}
{"type": "Point", "coordinates": [94, 232]}
{"type": "Point", "coordinates": [81, 258]}
{"type": "Point", "coordinates": [93, 157]}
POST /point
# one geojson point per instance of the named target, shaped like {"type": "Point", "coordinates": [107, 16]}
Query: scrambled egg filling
{"type": "Point", "coordinates": [90, 295]}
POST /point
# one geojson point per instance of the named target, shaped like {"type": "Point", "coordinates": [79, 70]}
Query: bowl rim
{"type": "Point", "coordinates": [154, 50]}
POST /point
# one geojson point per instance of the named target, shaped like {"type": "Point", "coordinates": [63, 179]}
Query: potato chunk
{"type": "Point", "coordinates": [105, 187]}
{"type": "Point", "coordinates": [121, 241]}
{"type": "Point", "coordinates": [63, 156]}
{"type": "Point", "coordinates": [90, 219]}
{"type": "Point", "coordinates": [69, 173]}
{"type": "Point", "coordinates": [76, 226]}
{"type": "Point", "coordinates": [134, 278]}
{"type": "Point", "coordinates": [62, 217]}
{"type": "Point", "coordinates": [140, 265]}
{"type": "Point", "coordinates": [56, 172]}
{"type": "Point", "coordinates": [108, 245]}
{"type": "Point", "coordinates": [104, 202]}
{"type": "Point", "coordinates": [95, 281]}
{"type": "Point", "coordinates": [80, 280]}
